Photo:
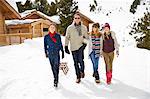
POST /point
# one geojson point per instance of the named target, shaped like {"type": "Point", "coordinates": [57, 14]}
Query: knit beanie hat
{"type": "Point", "coordinates": [107, 25]}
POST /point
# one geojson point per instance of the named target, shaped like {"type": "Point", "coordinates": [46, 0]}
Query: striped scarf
{"type": "Point", "coordinates": [96, 44]}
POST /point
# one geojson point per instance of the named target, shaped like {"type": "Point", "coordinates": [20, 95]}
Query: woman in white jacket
{"type": "Point", "coordinates": [109, 44]}
{"type": "Point", "coordinates": [94, 49]}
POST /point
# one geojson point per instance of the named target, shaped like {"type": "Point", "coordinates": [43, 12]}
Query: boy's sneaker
{"type": "Point", "coordinates": [82, 75]}
{"type": "Point", "coordinates": [55, 84]}
{"type": "Point", "coordinates": [97, 81]}
{"type": "Point", "coordinates": [93, 75]}
{"type": "Point", "coordinates": [78, 80]}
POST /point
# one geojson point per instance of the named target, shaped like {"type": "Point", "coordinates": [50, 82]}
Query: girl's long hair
{"type": "Point", "coordinates": [96, 25]}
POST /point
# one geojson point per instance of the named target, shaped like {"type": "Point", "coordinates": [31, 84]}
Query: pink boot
{"type": "Point", "coordinates": [109, 76]}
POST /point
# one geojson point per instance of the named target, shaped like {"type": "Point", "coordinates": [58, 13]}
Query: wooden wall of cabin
{"type": "Point", "coordinates": [17, 29]}
{"type": "Point", "coordinates": [45, 29]}
{"type": "Point", "coordinates": [86, 23]}
{"type": "Point", "coordinates": [40, 30]}
{"type": "Point", "coordinates": [2, 28]}
{"type": "Point", "coordinates": [37, 31]}
{"type": "Point", "coordinates": [25, 28]}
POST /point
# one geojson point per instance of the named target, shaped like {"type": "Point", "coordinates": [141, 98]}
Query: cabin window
{"type": "Point", "coordinates": [45, 29]}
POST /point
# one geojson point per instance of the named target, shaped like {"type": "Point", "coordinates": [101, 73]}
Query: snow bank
{"type": "Point", "coordinates": [26, 73]}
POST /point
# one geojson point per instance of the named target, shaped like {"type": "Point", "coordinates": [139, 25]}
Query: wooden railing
{"type": "Point", "coordinates": [20, 35]}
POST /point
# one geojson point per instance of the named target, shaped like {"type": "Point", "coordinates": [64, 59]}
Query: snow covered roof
{"type": "Point", "coordinates": [27, 12]}
{"type": "Point", "coordinates": [85, 16]}
{"type": "Point", "coordinates": [16, 22]}
{"type": "Point", "coordinates": [13, 4]}
{"type": "Point", "coordinates": [54, 19]}
{"type": "Point", "coordinates": [9, 9]}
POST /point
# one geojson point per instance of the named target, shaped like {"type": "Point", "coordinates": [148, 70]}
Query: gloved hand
{"type": "Point", "coordinates": [84, 45]}
{"type": "Point", "coordinates": [46, 55]}
{"type": "Point", "coordinates": [67, 50]}
{"type": "Point", "coordinates": [63, 54]}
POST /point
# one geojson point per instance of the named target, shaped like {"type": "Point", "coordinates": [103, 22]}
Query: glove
{"type": "Point", "coordinates": [67, 50]}
{"type": "Point", "coordinates": [46, 55]}
{"type": "Point", "coordinates": [84, 45]}
{"type": "Point", "coordinates": [63, 54]}
{"type": "Point", "coordinates": [117, 52]}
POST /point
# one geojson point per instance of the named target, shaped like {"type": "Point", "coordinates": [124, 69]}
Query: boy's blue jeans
{"type": "Point", "coordinates": [95, 62]}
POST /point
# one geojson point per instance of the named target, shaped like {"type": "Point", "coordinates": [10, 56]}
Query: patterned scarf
{"type": "Point", "coordinates": [78, 27]}
{"type": "Point", "coordinates": [52, 36]}
{"type": "Point", "coordinates": [96, 44]}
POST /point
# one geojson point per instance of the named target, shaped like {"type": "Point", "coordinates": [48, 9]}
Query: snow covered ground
{"type": "Point", "coordinates": [25, 73]}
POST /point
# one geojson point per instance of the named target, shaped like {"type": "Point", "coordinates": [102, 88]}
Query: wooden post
{"type": "Point", "coordinates": [2, 30]}
{"type": "Point", "coordinates": [20, 38]}
{"type": "Point", "coordinates": [9, 37]}
{"type": "Point", "coordinates": [42, 34]}
{"type": "Point", "coordinates": [33, 31]}
{"type": "Point", "coordinates": [30, 31]}
{"type": "Point", "coordinates": [9, 40]}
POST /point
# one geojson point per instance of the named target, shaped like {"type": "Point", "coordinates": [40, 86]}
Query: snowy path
{"type": "Point", "coordinates": [25, 73]}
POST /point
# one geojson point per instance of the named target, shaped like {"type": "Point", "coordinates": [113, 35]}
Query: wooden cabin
{"type": "Point", "coordinates": [33, 14]}
{"type": "Point", "coordinates": [7, 12]}
{"type": "Point", "coordinates": [28, 28]}
{"type": "Point", "coordinates": [86, 21]}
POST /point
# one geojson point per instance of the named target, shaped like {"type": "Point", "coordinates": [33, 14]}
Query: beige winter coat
{"type": "Point", "coordinates": [73, 37]}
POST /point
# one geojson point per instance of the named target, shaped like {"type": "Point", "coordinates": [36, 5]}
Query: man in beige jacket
{"type": "Point", "coordinates": [76, 34]}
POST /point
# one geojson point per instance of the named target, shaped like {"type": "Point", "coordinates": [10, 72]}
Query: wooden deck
{"type": "Point", "coordinates": [21, 36]}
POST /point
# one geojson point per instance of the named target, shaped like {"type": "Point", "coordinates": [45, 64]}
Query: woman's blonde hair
{"type": "Point", "coordinates": [96, 25]}
{"type": "Point", "coordinates": [53, 25]}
